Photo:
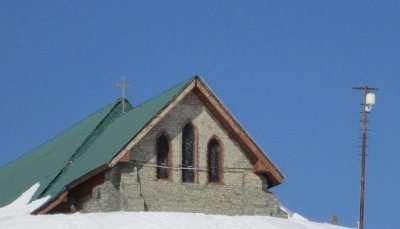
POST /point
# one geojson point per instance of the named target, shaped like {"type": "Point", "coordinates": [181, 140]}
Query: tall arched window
{"type": "Point", "coordinates": [162, 157]}
{"type": "Point", "coordinates": [214, 155]}
{"type": "Point", "coordinates": [188, 153]}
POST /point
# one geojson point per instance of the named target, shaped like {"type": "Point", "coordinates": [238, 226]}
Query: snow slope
{"type": "Point", "coordinates": [16, 216]}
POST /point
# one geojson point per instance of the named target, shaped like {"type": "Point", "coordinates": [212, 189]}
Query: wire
{"type": "Point", "coordinates": [201, 169]}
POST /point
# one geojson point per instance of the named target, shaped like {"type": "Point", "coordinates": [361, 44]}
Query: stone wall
{"type": "Point", "coordinates": [133, 186]}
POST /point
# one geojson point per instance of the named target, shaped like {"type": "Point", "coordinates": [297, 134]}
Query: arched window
{"type": "Point", "coordinates": [188, 153]}
{"type": "Point", "coordinates": [214, 155]}
{"type": "Point", "coordinates": [162, 157]}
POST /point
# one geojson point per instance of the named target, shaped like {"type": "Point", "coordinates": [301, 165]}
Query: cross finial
{"type": "Point", "coordinates": [123, 85]}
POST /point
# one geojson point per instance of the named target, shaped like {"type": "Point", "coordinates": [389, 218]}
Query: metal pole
{"type": "Point", "coordinates": [123, 85]}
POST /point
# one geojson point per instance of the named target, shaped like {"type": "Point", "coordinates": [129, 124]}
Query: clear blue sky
{"type": "Point", "coordinates": [284, 68]}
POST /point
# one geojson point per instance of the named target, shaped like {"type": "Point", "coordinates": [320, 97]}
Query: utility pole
{"type": "Point", "coordinates": [368, 102]}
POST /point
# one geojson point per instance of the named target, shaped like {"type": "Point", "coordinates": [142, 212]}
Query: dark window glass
{"type": "Point", "coordinates": [162, 157]}
{"type": "Point", "coordinates": [213, 160]}
{"type": "Point", "coordinates": [188, 153]}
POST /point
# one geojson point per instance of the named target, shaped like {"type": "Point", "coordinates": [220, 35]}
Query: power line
{"type": "Point", "coordinates": [201, 169]}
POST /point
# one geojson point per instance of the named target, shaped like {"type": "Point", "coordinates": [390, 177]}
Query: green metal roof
{"type": "Point", "coordinates": [89, 144]}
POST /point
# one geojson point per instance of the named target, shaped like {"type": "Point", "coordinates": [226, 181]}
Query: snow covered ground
{"type": "Point", "coordinates": [16, 216]}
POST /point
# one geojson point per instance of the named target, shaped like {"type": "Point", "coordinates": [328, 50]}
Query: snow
{"type": "Point", "coordinates": [154, 220]}
{"type": "Point", "coordinates": [21, 206]}
{"type": "Point", "coordinates": [17, 216]}
{"type": "Point", "coordinates": [293, 215]}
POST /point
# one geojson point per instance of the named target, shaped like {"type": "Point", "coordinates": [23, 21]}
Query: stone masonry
{"type": "Point", "coordinates": [134, 186]}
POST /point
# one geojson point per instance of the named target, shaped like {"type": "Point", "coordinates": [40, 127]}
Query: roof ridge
{"type": "Point", "coordinates": [114, 106]}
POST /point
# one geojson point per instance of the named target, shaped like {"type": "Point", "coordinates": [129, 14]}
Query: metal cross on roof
{"type": "Point", "coordinates": [123, 85]}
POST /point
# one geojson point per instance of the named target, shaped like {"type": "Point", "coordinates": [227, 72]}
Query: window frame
{"type": "Point", "coordinates": [220, 161]}
{"type": "Point", "coordinates": [194, 152]}
{"type": "Point", "coordinates": [169, 156]}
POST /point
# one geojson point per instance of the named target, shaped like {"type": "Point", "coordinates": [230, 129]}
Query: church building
{"type": "Point", "coordinates": [181, 151]}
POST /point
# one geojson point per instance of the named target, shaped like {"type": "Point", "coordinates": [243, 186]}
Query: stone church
{"type": "Point", "coordinates": [181, 151]}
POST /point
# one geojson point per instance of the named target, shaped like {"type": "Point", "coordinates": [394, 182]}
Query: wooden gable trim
{"type": "Point", "coordinates": [86, 177]}
{"type": "Point", "coordinates": [52, 204]}
{"type": "Point", "coordinates": [262, 164]}
{"type": "Point", "coordinates": [257, 156]}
